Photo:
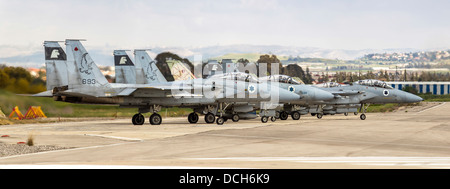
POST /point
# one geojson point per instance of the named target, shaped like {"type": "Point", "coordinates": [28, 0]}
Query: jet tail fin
{"type": "Point", "coordinates": [84, 75]}
{"type": "Point", "coordinates": [55, 65]}
{"type": "Point", "coordinates": [124, 67]}
{"type": "Point", "coordinates": [146, 69]}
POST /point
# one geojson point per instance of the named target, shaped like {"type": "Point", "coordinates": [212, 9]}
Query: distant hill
{"type": "Point", "coordinates": [103, 55]}
{"type": "Point", "coordinates": [252, 57]}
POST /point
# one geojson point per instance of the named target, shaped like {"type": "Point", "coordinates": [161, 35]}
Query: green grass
{"type": "Point", "coordinates": [435, 98]}
{"type": "Point", "coordinates": [383, 107]}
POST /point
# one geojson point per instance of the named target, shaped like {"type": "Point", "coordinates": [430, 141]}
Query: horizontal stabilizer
{"type": "Point", "coordinates": [71, 93]}
{"type": "Point", "coordinates": [48, 93]}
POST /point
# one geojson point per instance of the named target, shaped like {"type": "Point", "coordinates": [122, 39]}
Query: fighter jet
{"type": "Point", "coordinates": [346, 99]}
{"type": "Point", "coordinates": [296, 108]}
{"type": "Point", "coordinates": [360, 94]}
{"type": "Point", "coordinates": [86, 84]}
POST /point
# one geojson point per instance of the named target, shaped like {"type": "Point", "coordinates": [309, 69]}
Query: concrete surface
{"type": "Point", "coordinates": [417, 137]}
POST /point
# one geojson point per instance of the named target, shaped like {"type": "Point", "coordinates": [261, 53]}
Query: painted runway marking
{"type": "Point", "coordinates": [116, 137]}
{"type": "Point", "coordinates": [431, 108]}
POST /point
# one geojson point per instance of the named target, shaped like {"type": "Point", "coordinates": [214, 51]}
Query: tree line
{"type": "Point", "coordinates": [19, 80]}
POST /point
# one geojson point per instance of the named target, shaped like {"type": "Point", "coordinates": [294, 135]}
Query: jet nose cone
{"type": "Point", "coordinates": [412, 98]}
{"type": "Point", "coordinates": [322, 95]}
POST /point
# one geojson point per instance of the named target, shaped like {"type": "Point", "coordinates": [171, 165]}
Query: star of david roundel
{"type": "Point", "coordinates": [251, 88]}
{"type": "Point", "coordinates": [291, 88]}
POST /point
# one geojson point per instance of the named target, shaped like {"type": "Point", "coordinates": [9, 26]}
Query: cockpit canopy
{"type": "Point", "coordinates": [282, 79]}
{"type": "Point", "coordinates": [330, 84]}
{"type": "Point", "coordinates": [239, 76]}
{"type": "Point", "coordinates": [374, 83]}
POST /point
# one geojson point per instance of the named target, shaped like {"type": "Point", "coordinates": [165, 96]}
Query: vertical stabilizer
{"type": "Point", "coordinates": [84, 75]}
{"type": "Point", "coordinates": [146, 69]}
{"type": "Point", "coordinates": [55, 65]}
{"type": "Point", "coordinates": [125, 69]}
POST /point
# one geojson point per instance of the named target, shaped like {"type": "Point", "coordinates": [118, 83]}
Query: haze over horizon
{"type": "Point", "coordinates": [347, 25]}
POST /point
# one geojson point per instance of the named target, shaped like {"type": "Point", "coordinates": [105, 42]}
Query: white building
{"type": "Point", "coordinates": [434, 87]}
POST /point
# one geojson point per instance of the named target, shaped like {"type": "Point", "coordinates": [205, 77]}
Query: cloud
{"type": "Point", "coordinates": [345, 24]}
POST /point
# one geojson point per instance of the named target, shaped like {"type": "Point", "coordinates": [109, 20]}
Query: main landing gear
{"type": "Point", "coordinates": [155, 118]}
{"type": "Point", "coordinates": [139, 119]}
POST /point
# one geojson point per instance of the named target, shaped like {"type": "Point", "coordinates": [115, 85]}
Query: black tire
{"type": "Point", "coordinates": [284, 115]}
{"type": "Point", "coordinates": [133, 119]}
{"type": "Point", "coordinates": [355, 113]}
{"type": "Point", "coordinates": [235, 117]}
{"type": "Point", "coordinates": [319, 116]}
{"type": "Point", "coordinates": [362, 116]}
{"type": "Point", "coordinates": [273, 119]}
{"type": "Point", "coordinates": [264, 119]}
{"type": "Point", "coordinates": [138, 119]}
{"type": "Point", "coordinates": [295, 115]}
{"type": "Point", "coordinates": [193, 117]}
{"type": "Point", "coordinates": [155, 119]}
{"type": "Point", "coordinates": [210, 118]}
{"type": "Point", "coordinates": [220, 121]}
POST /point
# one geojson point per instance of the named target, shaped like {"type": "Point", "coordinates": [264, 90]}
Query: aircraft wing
{"type": "Point", "coordinates": [160, 91]}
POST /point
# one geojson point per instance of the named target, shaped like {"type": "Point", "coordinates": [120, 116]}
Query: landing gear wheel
{"type": "Point", "coordinates": [220, 121]}
{"type": "Point", "coordinates": [356, 113]}
{"type": "Point", "coordinates": [362, 116]}
{"type": "Point", "coordinates": [155, 119]}
{"type": "Point", "coordinates": [277, 115]}
{"type": "Point", "coordinates": [235, 117]}
{"type": "Point", "coordinates": [264, 119]}
{"type": "Point", "coordinates": [210, 118]}
{"type": "Point", "coordinates": [319, 116]}
{"type": "Point", "coordinates": [193, 117]}
{"type": "Point", "coordinates": [273, 119]}
{"type": "Point", "coordinates": [346, 113]}
{"type": "Point", "coordinates": [138, 119]}
{"type": "Point", "coordinates": [295, 115]}
{"type": "Point", "coordinates": [284, 115]}
{"type": "Point", "coordinates": [133, 119]}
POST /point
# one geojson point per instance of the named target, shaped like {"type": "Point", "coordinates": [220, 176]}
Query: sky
{"type": "Point", "coordinates": [334, 24]}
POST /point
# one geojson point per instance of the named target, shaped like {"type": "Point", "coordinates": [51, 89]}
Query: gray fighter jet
{"type": "Point", "coordinates": [86, 84]}
{"type": "Point", "coordinates": [360, 94]}
{"type": "Point", "coordinates": [347, 98]}
{"type": "Point", "coordinates": [298, 107]}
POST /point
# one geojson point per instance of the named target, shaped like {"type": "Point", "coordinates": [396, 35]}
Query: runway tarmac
{"type": "Point", "coordinates": [417, 137]}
